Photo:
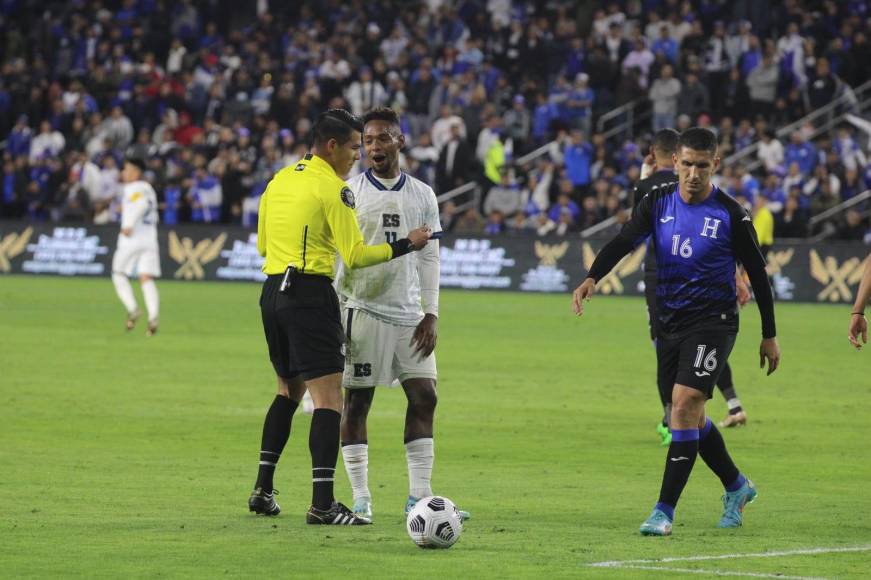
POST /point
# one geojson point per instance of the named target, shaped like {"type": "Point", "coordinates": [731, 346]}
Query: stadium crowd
{"type": "Point", "coordinates": [219, 95]}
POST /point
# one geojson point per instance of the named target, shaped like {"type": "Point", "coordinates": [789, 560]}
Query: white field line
{"type": "Point", "coordinates": [802, 552]}
{"type": "Point", "coordinates": [716, 572]}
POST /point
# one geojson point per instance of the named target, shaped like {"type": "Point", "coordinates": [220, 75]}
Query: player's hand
{"type": "Point", "coordinates": [769, 349]}
{"type": "Point", "coordinates": [425, 336]}
{"type": "Point", "coordinates": [648, 166]}
{"type": "Point", "coordinates": [743, 291]}
{"type": "Point", "coordinates": [419, 237]}
{"type": "Point", "coordinates": [583, 292]}
{"type": "Point", "coordinates": [858, 326]}
{"type": "Point", "coordinates": [127, 231]}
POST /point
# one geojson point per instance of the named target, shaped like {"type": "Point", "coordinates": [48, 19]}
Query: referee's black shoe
{"type": "Point", "coordinates": [337, 515]}
{"type": "Point", "coordinates": [263, 503]}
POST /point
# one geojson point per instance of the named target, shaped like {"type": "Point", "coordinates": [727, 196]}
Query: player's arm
{"type": "Point", "coordinates": [741, 287]}
{"type": "Point", "coordinates": [639, 226]}
{"type": "Point", "coordinates": [261, 225]}
{"type": "Point", "coordinates": [349, 240]}
{"type": "Point", "coordinates": [858, 324]}
{"type": "Point", "coordinates": [746, 247]}
{"type": "Point", "coordinates": [428, 272]}
{"type": "Point", "coordinates": [133, 210]}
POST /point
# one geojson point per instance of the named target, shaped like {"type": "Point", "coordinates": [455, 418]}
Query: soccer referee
{"type": "Point", "coordinates": [306, 216]}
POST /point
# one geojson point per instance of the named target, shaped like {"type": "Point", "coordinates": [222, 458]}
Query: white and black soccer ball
{"type": "Point", "coordinates": [434, 522]}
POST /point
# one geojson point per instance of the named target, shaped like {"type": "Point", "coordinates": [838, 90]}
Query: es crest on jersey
{"type": "Point", "coordinates": [348, 197]}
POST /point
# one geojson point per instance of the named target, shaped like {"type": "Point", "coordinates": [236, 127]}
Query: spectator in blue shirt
{"type": "Point", "coordinates": [575, 58]}
{"type": "Point", "coordinates": [773, 192]}
{"type": "Point", "coordinates": [19, 139]}
{"type": "Point", "coordinates": [205, 198]}
{"type": "Point", "coordinates": [565, 210]}
{"type": "Point", "coordinates": [580, 104]}
{"type": "Point", "coordinates": [542, 119]}
{"type": "Point", "coordinates": [578, 158]}
{"type": "Point", "coordinates": [666, 45]}
{"type": "Point", "coordinates": [801, 152]}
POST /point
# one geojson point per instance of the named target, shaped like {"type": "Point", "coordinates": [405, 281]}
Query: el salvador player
{"type": "Point", "coordinates": [390, 313]}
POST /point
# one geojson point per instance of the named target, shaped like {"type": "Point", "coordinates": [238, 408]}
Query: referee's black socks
{"type": "Point", "coordinates": [276, 431]}
{"type": "Point", "coordinates": [323, 443]}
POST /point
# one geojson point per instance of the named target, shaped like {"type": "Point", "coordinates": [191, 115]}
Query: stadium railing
{"type": "Point", "coordinates": [832, 212]}
{"type": "Point", "coordinates": [471, 192]}
{"type": "Point", "coordinates": [627, 117]}
{"type": "Point", "coordinates": [857, 99]}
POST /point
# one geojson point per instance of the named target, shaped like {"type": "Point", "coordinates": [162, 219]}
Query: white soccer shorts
{"type": "Point", "coordinates": [378, 352]}
{"type": "Point", "coordinates": [137, 260]}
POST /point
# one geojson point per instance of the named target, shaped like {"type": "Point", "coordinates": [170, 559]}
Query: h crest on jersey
{"type": "Point", "coordinates": [710, 228]}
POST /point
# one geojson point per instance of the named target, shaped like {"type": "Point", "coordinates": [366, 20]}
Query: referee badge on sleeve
{"type": "Point", "coordinates": [348, 197]}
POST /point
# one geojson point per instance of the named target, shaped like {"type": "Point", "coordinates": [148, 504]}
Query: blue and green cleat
{"type": "Point", "coordinates": [412, 501]}
{"type": "Point", "coordinates": [658, 524]}
{"type": "Point", "coordinates": [665, 434]}
{"type": "Point", "coordinates": [733, 505]}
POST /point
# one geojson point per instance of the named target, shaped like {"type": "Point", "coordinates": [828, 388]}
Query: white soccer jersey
{"type": "Point", "coordinates": [402, 290]}
{"type": "Point", "coordinates": [139, 213]}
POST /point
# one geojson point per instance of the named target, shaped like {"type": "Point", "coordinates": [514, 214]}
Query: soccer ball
{"type": "Point", "coordinates": [434, 522]}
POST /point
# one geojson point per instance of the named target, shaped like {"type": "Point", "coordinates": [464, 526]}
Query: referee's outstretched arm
{"type": "Point", "coordinates": [349, 240]}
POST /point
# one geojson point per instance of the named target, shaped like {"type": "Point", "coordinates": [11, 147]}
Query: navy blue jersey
{"type": "Point", "coordinates": [696, 247]}
{"type": "Point", "coordinates": [661, 178]}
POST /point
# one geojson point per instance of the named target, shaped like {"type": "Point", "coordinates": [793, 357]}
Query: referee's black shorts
{"type": "Point", "coordinates": [303, 327]}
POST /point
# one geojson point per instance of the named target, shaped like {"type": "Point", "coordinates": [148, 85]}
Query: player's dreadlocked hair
{"type": "Point", "coordinates": [382, 114]}
{"type": "Point", "coordinates": [665, 141]}
{"type": "Point", "coordinates": [336, 124]}
{"type": "Point", "coordinates": [699, 139]}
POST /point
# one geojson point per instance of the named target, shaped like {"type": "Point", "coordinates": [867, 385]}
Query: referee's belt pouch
{"type": "Point", "coordinates": [303, 291]}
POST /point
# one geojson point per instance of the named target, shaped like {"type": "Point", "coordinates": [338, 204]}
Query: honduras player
{"type": "Point", "coordinates": [662, 154]}
{"type": "Point", "coordinates": [698, 233]}
{"type": "Point", "coordinates": [390, 312]}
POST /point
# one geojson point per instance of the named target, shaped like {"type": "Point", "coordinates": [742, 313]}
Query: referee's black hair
{"type": "Point", "coordinates": [385, 114]}
{"type": "Point", "coordinates": [699, 139]}
{"type": "Point", "coordinates": [665, 141]}
{"type": "Point", "coordinates": [336, 124]}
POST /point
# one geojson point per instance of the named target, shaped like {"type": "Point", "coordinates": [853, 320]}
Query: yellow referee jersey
{"type": "Point", "coordinates": [306, 214]}
{"type": "Point", "coordinates": [763, 223]}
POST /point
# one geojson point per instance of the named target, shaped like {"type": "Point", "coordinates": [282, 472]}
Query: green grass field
{"type": "Point", "coordinates": [127, 456]}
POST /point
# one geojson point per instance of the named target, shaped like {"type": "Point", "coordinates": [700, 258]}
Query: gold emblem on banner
{"type": "Point", "coordinates": [549, 255]}
{"type": "Point", "coordinates": [837, 279]}
{"type": "Point", "coordinates": [193, 257]}
{"type": "Point", "coordinates": [777, 260]}
{"type": "Point", "coordinates": [613, 282]}
{"type": "Point", "coordinates": [12, 245]}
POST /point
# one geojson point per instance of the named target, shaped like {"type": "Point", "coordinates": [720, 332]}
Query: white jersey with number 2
{"type": "Point", "coordinates": [139, 212]}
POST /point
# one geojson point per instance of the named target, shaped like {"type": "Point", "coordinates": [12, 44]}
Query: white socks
{"type": "Point", "coordinates": [356, 460]}
{"type": "Point", "coordinates": [152, 300]}
{"type": "Point", "coordinates": [125, 292]}
{"type": "Point", "coordinates": [420, 455]}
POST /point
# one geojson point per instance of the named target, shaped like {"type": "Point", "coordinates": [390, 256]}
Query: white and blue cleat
{"type": "Point", "coordinates": [733, 505]}
{"type": "Point", "coordinates": [658, 524]}
{"type": "Point", "coordinates": [363, 508]}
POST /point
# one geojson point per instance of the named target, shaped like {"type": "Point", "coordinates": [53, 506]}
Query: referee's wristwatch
{"type": "Point", "coordinates": [401, 247]}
